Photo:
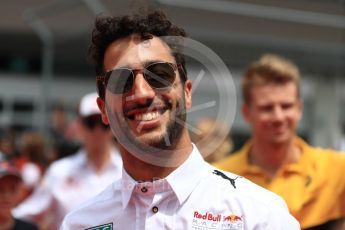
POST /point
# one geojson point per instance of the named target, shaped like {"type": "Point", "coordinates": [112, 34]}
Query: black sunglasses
{"type": "Point", "coordinates": [159, 75]}
{"type": "Point", "coordinates": [93, 121]}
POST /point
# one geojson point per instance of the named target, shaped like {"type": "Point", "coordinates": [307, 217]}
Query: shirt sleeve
{"type": "Point", "coordinates": [280, 218]}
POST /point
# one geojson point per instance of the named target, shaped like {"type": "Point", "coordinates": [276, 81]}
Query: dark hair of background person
{"type": "Point", "coordinates": [108, 29]}
{"type": "Point", "coordinates": [32, 146]}
{"type": "Point", "coordinates": [62, 145]}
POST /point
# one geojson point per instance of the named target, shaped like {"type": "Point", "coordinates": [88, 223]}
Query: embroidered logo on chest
{"type": "Point", "coordinates": [208, 221]}
{"type": "Point", "coordinates": [102, 227]}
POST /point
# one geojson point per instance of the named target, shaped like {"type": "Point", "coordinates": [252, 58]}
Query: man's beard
{"type": "Point", "coordinates": [174, 128]}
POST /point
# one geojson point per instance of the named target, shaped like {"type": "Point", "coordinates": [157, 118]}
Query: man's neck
{"type": "Point", "coordinates": [140, 170]}
{"type": "Point", "coordinates": [99, 159]}
{"type": "Point", "coordinates": [271, 157]}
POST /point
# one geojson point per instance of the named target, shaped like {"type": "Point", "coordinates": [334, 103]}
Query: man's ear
{"type": "Point", "coordinates": [101, 106]}
{"type": "Point", "coordinates": [188, 93]}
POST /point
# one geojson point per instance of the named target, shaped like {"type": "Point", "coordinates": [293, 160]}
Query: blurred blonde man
{"type": "Point", "coordinates": [311, 180]}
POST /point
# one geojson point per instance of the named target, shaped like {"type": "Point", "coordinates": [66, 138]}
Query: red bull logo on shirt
{"type": "Point", "coordinates": [207, 216]}
{"type": "Point", "coordinates": [232, 218]}
{"type": "Point", "coordinates": [208, 221]}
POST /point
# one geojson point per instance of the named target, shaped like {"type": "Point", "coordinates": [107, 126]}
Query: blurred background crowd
{"type": "Point", "coordinates": [44, 71]}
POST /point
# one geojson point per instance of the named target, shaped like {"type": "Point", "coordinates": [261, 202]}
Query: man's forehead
{"type": "Point", "coordinates": [131, 51]}
{"type": "Point", "coordinates": [262, 92]}
{"type": "Point", "coordinates": [269, 86]}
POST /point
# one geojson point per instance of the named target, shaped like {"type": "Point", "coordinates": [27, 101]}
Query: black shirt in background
{"type": "Point", "coordinates": [23, 225]}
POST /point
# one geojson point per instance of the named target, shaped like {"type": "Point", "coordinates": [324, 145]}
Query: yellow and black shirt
{"type": "Point", "coordinates": [313, 188]}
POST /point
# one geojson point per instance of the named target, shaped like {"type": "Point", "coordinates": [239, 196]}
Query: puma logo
{"type": "Point", "coordinates": [219, 173]}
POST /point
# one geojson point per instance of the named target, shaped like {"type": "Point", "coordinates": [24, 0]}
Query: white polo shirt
{"type": "Point", "coordinates": [191, 197]}
{"type": "Point", "coordinates": [67, 183]}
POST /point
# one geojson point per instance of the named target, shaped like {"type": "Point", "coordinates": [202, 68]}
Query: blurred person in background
{"type": "Point", "coordinates": [64, 142]}
{"type": "Point", "coordinates": [209, 129]}
{"type": "Point", "coordinates": [31, 160]}
{"type": "Point", "coordinates": [72, 180]}
{"type": "Point", "coordinates": [311, 180]}
{"type": "Point", "coordinates": [8, 143]}
{"type": "Point", "coordinates": [2, 155]}
{"type": "Point", "coordinates": [11, 188]}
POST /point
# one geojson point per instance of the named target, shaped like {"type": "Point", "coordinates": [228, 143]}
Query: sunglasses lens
{"type": "Point", "coordinates": [120, 81]}
{"type": "Point", "coordinates": [160, 75]}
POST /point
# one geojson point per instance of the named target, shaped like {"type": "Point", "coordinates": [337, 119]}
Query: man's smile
{"type": "Point", "coordinates": [145, 114]}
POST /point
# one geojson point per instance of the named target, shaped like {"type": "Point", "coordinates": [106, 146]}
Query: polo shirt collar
{"type": "Point", "coordinates": [243, 165]}
{"type": "Point", "coordinates": [186, 177]}
{"type": "Point", "coordinates": [182, 180]}
{"type": "Point", "coordinates": [303, 163]}
{"type": "Point", "coordinates": [127, 186]}
{"type": "Point", "coordinates": [246, 167]}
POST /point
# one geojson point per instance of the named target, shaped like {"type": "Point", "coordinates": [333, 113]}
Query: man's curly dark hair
{"type": "Point", "coordinates": [109, 29]}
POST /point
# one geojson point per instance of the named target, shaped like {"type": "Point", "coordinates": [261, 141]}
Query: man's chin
{"type": "Point", "coordinates": [280, 139]}
{"type": "Point", "coordinates": [163, 137]}
{"type": "Point", "coordinates": [159, 142]}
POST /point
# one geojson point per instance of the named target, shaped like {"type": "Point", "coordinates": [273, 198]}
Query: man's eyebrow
{"type": "Point", "coordinates": [142, 64]}
{"type": "Point", "coordinates": [146, 63]}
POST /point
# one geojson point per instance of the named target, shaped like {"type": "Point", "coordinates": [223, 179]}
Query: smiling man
{"type": "Point", "coordinates": [144, 94]}
{"type": "Point", "coordinates": [311, 180]}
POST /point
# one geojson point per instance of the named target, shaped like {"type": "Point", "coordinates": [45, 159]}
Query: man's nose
{"type": "Point", "coordinates": [141, 90]}
{"type": "Point", "coordinates": [278, 113]}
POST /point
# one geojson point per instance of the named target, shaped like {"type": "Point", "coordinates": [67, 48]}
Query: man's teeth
{"type": "Point", "coordinates": [147, 116]}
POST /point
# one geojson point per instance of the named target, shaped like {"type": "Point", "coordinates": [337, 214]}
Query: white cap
{"type": "Point", "coordinates": [88, 105]}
